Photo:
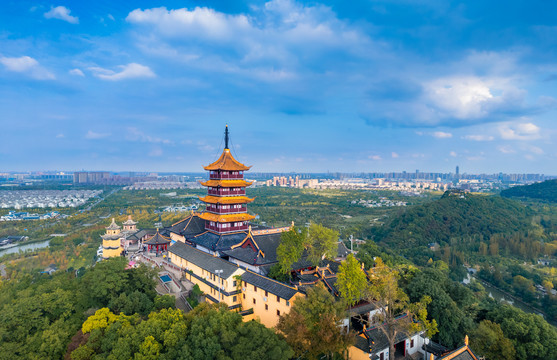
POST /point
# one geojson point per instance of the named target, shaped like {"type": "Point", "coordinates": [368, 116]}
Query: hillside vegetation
{"type": "Point", "coordinates": [454, 215]}
{"type": "Point", "coordinates": [546, 190]}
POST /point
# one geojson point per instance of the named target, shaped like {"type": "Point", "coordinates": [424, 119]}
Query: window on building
{"type": "Point", "coordinates": [245, 284]}
{"type": "Point", "coordinates": [234, 298]}
{"type": "Point", "coordinates": [254, 288]}
{"type": "Point", "coordinates": [244, 296]}
{"type": "Point", "coordinates": [412, 343]}
{"type": "Point", "coordinates": [266, 307]}
{"type": "Point", "coordinates": [278, 312]}
{"type": "Point", "coordinates": [287, 303]}
{"type": "Point", "coordinates": [253, 301]}
{"type": "Point", "coordinates": [266, 293]}
{"type": "Point", "coordinates": [278, 299]}
{"type": "Point", "coordinates": [234, 283]}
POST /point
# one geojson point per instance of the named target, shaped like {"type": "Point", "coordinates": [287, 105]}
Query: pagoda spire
{"type": "Point", "coordinates": [226, 137]}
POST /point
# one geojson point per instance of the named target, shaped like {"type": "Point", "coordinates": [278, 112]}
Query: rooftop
{"type": "Point", "coordinates": [202, 259]}
{"type": "Point", "coordinates": [270, 285]}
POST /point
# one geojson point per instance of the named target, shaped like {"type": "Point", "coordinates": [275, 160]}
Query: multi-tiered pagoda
{"type": "Point", "coordinates": [226, 194]}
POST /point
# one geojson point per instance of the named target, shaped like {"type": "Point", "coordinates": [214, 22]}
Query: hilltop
{"type": "Point", "coordinates": [454, 215]}
{"type": "Point", "coordinates": [546, 190]}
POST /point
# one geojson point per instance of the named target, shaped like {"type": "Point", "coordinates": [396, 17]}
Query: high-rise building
{"type": "Point", "coordinates": [226, 194]}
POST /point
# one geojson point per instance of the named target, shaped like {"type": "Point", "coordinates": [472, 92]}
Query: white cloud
{"type": "Point", "coordinates": [95, 135]}
{"type": "Point", "coordinates": [479, 137]}
{"type": "Point", "coordinates": [269, 44]}
{"type": "Point", "coordinates": [199, 22]}
{"type": "Point", "coordinates": [453, 154]}
{"type": "Point", "coordinates": [394, 155]}
{"type": "Point", "coordinates": [536, 150]}
{"type": "Point", "coordinates": [76, 72]}
{"type": "Point", "coordinates": [155, 152]}
{"type": "Point", "coordinates": [522, 131]}
{"type": "Point", "coordinates": [442, 135]}
{"type": "Point", "coordinates": [505, 149]}
{"type": "Point", "coordinates": [469, 98]}
{"type": "Point", "coordinates": [129, 71]}
{"type": "Point", "coordinates": [134, 134]}
{"type": "Point", "coordinates": [61, 13]}
{"type": "Point", "coordinates": [374, 157]}
{"type": "Point", "coordinates": [28, 66]}
{"type": "Point", "coordinates": [60, 136]}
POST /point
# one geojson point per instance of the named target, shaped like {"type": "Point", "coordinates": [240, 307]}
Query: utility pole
{"type": "Point", "coordinates": [351, 244]}
{"type": "Point", "coordinates": [218, 272]}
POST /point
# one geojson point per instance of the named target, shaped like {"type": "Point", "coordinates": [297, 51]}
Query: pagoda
{"type": "Point", "coordinates": [226, 194]}
{"type": "Point", "coordinates": [111, 241]}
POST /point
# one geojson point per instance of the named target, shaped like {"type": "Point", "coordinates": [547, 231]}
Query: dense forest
{"type": "Point", "coordinates": [546, 191]}
{"type": "Point", "coordinates": [500, 237]}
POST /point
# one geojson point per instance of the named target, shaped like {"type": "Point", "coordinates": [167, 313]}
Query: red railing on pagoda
{"type": "Point", "coordinates": [225, 230]}
{"type": "Point", "coordinates": [225, 192]}
{"type": "Point", "coordinates": [217, 210]}
{"type": "Point", "coordinates": [218, 176]}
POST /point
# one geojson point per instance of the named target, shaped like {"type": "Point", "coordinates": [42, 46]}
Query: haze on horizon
{"type": "Point", "coordinates": [358, 86]}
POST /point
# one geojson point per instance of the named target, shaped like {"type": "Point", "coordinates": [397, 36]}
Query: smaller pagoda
{"type": "Point", "coordinates": [158, 243]}
{"type": "Point", "coordinates": [226, 194]}
{"type": "Point", "coordinates": [111, 241]}
{"type": "Point", "coordinates": [129, 225]}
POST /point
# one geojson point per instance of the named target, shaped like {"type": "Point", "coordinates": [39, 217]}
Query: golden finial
{"type": "Point", "coordinates": [249, 229]}
{"type": "Point", "coordinates": [466, 340]}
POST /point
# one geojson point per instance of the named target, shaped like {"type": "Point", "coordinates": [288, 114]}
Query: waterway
{"type": "Point", "coordinates": [501, 297]}
{"type": "Point", "coordinates": [24, 247]}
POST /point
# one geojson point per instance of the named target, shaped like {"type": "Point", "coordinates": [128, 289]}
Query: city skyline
{"type": "Point", "coordinates": [305, 87]}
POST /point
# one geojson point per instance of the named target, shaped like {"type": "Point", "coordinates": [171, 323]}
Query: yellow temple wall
{"type": "Point", "coordinates": [211, 278]}
{"type": "Point", "coordinates": [255, 298]}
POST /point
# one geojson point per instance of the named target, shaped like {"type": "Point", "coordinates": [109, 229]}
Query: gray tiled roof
{"type": "Point", "coordinates": [272, 286]}
{"type": "Point", "coordinates": [202, 259]}
{"type": "Point", "coordinates": [215, 242]}
{"type": "Point", "coordinates": [188, 227]}
{"type": "Point", "coordinates": [111, 237]}
{"type": "Point", "coordinates": [158, 239]}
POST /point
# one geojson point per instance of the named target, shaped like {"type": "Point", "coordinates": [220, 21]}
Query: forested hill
{"type": "Point", "coordinates": [455, 215]}
{"type": "Point", "coordinates": [546, 190]}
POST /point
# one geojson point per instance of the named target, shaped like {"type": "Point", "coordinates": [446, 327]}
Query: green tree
{"type": "Point", "coordinates": [488, 340]}
{"type": "Point", "coordinates": [207, 332]}
{"type": "Point", "coordinates": [290, 249]}
{"type": "Point", "coordinates": [351, 280]}
{"type": "Point", "coordinates": [322, 243]}
{"type": "Point", "coordinates": [532, 337]}
{"type": "Point", "coordinates": [165, 302]}
{"type": "Point", "coordinates": [312, 325]}
{"type": "Point", "coordinates": [391, 301]}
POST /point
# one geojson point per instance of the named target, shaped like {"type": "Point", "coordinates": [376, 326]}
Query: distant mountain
{"type": "Point", "coordinates": [546, 190]}
{"type": "Point", "coordinates": [455, 215]}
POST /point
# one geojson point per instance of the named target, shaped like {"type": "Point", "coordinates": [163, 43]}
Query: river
{"type": "Point", "coordinates": [24, 247]}
{"type": "Point", "coordinates": [501, 297]}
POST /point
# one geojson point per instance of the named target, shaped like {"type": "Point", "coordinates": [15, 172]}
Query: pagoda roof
{"type": "Point", "coordinates": [129, 221]}
{"type": "Point", "coordinates": [227, 162]}
{"type": "Point", "coordinates": [113, 225]}
{"type": "Point", "coordinates": [226, 199]}
{"type": "Point", "coordinates": [158, 239]}
{"type": "Point", "coordinates": [218, 242]}
{"type": "Point", "coordinates": [226, 183]}
{"type": "Point", "coordinates": [223, 218]}
{"type": "Point", "coordinates": [190, 226]}
{"type": "Point", "coordinates": [111, 237]}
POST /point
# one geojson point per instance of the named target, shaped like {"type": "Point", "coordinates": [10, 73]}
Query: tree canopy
{"type": "Point", "coordinates": [312, 325]}
{"type": "Point", "coordinates": [207, 332]}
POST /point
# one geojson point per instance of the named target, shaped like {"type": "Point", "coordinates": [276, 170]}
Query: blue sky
{"type": "Point", "coordinates": [352, 86]}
